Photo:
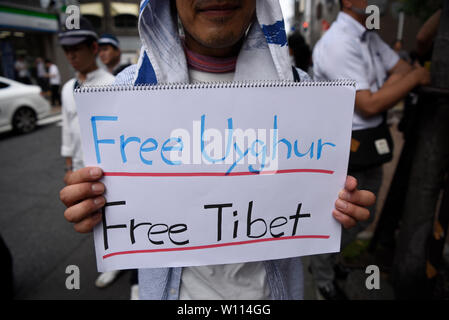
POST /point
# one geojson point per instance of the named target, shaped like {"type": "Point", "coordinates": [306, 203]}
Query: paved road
{"type": "Point", "coordinates": [42, 243]}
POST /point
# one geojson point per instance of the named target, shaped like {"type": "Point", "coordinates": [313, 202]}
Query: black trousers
{"type": "Point", "coordinates": [55, 95]}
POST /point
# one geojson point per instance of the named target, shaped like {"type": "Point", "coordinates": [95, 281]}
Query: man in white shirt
{"type": "Point", "coordinates": [81, 49]}
{"type": "Point", "coordinates": [54, 80]}
{"type": "Point", "coordinates": [42, 79]}
{"type": "Point", "coordinates": [110, 53]}
{"type": "Point", "coordinates": [21, 67]}
{"type": "Point", "coordinates": [349, 51]}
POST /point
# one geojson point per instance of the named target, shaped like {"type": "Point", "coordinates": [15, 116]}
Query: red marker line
{"type": "Point", "coordinates": [218, 245]}
{"type": "Point", "coordinates": [212, 174]}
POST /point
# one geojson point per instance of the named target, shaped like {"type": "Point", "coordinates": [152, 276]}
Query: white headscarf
{"type": "Point", "coordinates": [264, 55]}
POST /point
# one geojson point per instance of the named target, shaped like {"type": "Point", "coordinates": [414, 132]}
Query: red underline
{"type": "Point", "coordinates": [218, 245]}
{"type": "Point", "coordinates": [212, 174]}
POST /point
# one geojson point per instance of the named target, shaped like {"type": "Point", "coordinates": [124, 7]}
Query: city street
{"type": "Point", "coordinates": [32, 224]}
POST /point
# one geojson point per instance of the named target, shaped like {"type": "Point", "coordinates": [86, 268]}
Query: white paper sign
{"type": "Point", "coordinates": [217, 175]}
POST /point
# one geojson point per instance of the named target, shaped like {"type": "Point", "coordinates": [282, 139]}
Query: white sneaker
{"type": "Point", "coordinates": [135, 292]}
{"type": "Point", "coordinates": [106, 278]}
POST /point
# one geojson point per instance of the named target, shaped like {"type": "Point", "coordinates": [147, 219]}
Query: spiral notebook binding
{"type": "Point", "coordinates": [214, 85]}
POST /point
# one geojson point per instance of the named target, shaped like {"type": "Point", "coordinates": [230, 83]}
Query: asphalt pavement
{"type": "Point", "coordinates": [41, 242]}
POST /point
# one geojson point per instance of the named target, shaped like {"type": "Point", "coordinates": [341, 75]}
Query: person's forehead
{"type": "Point", "coordinates": [75, 47]}
{"type": "Point", "coordinates": [193, 4]}
{"type": "Point", "coordinates": [105, 46]}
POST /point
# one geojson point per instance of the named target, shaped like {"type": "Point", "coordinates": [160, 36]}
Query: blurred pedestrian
{"type": "Point", "coordinates": [41, 73]}
{"type": "Point", "coordinates": [349, 51]}
{"type": "Point", "coordinates": [54, 79]}
{"type": "Point", "coordinates": [110, 53]}
{"type": "Point", "coordinates": [21, 67]}
{"type": "Point", "coordinates": [81, 49]}
{"type": "Point", "coordinates": [221, 44]}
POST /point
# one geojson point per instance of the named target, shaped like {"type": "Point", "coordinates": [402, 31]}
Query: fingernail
{"type": "Point", "coordinates": [344, 195]}
{"type": "Point", "coordinates": [95, 172]}
{"type": "Point", "coordinates": [340, 204]}
{"type": "Point", "coordinates": [338, 215]}
{"type": "Point", "coordinates": [96, 187]}
{"type": "Point", "coordinates": [99, 201]}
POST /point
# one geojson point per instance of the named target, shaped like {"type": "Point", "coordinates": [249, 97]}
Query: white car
{"type": "Point", "coordinates": [21, 106]}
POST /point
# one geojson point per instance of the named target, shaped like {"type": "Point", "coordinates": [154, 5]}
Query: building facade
{"type": "Point", "coordinates": [29, 28]}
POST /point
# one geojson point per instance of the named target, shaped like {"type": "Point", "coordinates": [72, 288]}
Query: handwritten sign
{"type": "Point", "coordinates": [216, 175]}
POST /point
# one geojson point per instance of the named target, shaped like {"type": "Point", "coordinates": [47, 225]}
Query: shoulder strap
{"type": "Point", "coordinates": [296, 76]}
{"type": "Point", "coordinates": [76, 85]}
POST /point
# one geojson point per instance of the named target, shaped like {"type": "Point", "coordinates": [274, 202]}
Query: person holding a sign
{"type": "Point", "coordinates": [226, 40]}
{"type": "Point", "coordinates": [382, 80]}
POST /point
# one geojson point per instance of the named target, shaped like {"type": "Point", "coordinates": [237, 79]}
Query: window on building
{"type": "Point", "coordinates": [94, 12]}
{"type": "Point", "coordinates": [125, 14]}
{"type": "Point", "coordinates": [125, 21]}
{"type": "Point", "coordinates": [96, 21]}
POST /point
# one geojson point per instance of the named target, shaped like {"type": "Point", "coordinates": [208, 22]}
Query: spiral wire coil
{"type": "Point", "coordinates": [215, 85]}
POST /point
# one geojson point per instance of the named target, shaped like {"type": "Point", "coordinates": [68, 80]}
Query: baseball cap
{"type": "Point", "coordinates": [109, 39]}
{"type": "Point", "coordinates": [71, 37]}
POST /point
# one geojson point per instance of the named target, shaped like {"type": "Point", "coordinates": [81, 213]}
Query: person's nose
{"type": "Point", "coordinates": [71, 55]}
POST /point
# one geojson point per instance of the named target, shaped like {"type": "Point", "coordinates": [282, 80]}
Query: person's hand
{"type": "Point", "coordinates": [351, 205]}
{"type": "Point", "coordinates": [83, 197]}
{"type": "Point", "coordinates": [422, 75]}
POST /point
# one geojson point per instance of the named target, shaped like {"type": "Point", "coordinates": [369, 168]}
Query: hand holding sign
{"type": "Point", "coordinates": [84, 199]}
{"type": "Point", "coordinates": [351, 205]}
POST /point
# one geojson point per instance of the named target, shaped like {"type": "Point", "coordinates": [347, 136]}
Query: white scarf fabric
{"type": "Point", "coordinates": [264, 55]}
